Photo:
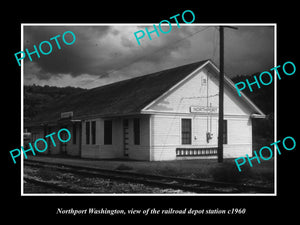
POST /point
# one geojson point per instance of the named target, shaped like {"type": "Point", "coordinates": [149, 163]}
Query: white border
{"type": "Point", "coordinates": [149, 24]}
{"type": "Point", "coordinates": [22, 111]}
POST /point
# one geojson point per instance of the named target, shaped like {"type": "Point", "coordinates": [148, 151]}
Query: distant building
{"type": "Point", "coordinates": [167, 115]}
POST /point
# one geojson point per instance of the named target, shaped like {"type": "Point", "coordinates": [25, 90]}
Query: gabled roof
{"type": "Point", "coordinates": [243, 97]}
{"type": "Point", "coordinates": [125, 97]}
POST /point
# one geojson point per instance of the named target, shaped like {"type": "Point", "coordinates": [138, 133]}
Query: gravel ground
{"type": "Point", "coordinates": [204, 169]}
{"type": "Point", "coordinates": [87, 184]}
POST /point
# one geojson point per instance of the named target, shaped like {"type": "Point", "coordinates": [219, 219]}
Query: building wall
{"type": "Point", "coordinates": [69, 147]}
{"type": "Point", "coordinates": [36, 133]}
{"type": "Point", "coordinates": [200, 90]}
{"type": "Point", "coordinates": [239, 138]}
{"type": "Point", "coordinates": [166, 136]}
{"type": "Point", "coordinates": [141, 151]}
{"type": "Point", "coordinates": [116, 149]}
{"type": "Point", "coordinates": [57, 147]}
{"type": "Point", "coordinates": [99, 150]}
{"type": "Point", "coordinates": [53, 150]}
{"type": "Point", "coordinates": [74, 146]}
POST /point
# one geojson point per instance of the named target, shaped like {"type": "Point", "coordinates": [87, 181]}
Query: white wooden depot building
{"type": "Point", "coordinates": [167, 115]}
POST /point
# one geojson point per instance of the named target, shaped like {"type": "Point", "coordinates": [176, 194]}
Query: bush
{"type": "Point", "coordinates": [228, 172]}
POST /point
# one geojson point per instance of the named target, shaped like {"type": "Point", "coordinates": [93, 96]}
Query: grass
{"type": "Point", "coordinates": [210, 169]}
{"type": "Point", "coordinates": [258, 174]}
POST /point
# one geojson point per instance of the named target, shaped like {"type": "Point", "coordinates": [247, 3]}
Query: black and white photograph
{"type": "Point", "coordinates": [146, 111]}
{"type": "Point", "coordinates": [109, 112]}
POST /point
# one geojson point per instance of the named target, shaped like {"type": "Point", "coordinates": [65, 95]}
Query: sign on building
{"type": "Point", "coordinates": [66, 115]}
{"type": "Point", "coordinates": [204, 109]}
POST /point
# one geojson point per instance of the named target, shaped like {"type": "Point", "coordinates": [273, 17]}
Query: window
{"type": "Point", "coordinates": [224, 131]}
{"type": "Point", "coordinates": [136, 131]}
{"type": "Point", "coordinates": [87, 132]}
{"type": "Point", "coordinates": [107, 132]}
{"type": "Point", "coordinates": [74, 134]}
{"type": "Point", "coordinates": [186, 131]}
{"type": "Point", "coordinates": [93, 132]}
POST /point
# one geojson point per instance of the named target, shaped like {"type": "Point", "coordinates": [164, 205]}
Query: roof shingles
{"type": "Point", "coordinates": [124, 97]}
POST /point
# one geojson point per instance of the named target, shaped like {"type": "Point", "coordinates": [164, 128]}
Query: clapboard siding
{"type": "Point", "coordinates": [166, 136]}
{"type": "Point", "coordinates": [239, 131]}
{"type": "Point", "coordinates": [237, 150]}
{"type": "Point", "coordinates": [53, 149]}
{"type": "Point", "coordinates": [38, 132]}
{"type": "Point", "coordinates": [199, 90]}
{"type": "Point", "coordinates": [201, 125]}
{"type": "Point", "coordinates": [99, 149]}
{"type": "Point", "coordinates": [141, 151]}
{"type": "Point", "coordinates": [116, 149]}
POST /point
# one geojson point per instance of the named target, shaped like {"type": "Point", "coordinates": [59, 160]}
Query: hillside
{"type": "Point", "coordinates": [263, 97]}
{"type": "Point", "coordinates": [37, 98]}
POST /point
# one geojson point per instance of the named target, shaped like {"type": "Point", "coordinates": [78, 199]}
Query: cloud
{"type": "Point", "coordinates": [99, 49]}
{"type": "Point", "coordinates": [250, 49]}
{"type": "Point", "coordinates": [104, 54]}
{"type": "Point", "coordinates": [74, 59]}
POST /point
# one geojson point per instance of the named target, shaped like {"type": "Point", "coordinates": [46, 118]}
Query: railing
{"type": "Point", "coordinates": [196, 151]}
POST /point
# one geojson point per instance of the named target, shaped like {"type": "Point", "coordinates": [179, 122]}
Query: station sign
{"type": "Point", "coordinates": [66, 115]}
{"type": "Point", "coordinates": [204, 109]}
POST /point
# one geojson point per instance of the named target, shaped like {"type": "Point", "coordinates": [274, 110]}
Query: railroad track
{"type": "Point", "coordinates": [185, 184]}
{"type": "Point", "coordinates": [55, 186]}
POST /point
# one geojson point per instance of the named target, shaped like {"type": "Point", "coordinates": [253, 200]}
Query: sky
{"type": "Point", "coordinates": [109, 53]}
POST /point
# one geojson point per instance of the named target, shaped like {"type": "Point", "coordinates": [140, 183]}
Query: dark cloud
{"type": "Point", "coordinates": [126, 42]}
{"type": "Point", "coordinates": [74, 59]}
{"type": "Point", "coordinates": [249, 49]}
{"type": "Point", "coordinates": [110, 53]}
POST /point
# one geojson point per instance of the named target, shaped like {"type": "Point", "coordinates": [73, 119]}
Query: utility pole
{"type": "Point", "coordinates": [221, 94]}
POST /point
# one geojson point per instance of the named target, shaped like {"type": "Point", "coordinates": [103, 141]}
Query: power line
{"type": "Point", "coordinates": [146, 55]}
{"type": "Point", "coordinates": [165, 47]}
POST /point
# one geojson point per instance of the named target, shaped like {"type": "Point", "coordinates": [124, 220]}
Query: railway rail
{"type": "Point", "coordinates": [185, 184]}
{"type": "Point", "coordinates": [55, 186]}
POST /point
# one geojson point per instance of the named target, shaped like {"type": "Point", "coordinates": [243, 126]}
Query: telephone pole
{"type": "Point", "coordinates": [221, 94]}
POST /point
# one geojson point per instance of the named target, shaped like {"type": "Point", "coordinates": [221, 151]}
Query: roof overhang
{"type": "Point", "coordinates": [243, 97]}
{"type": "Point", "coordinates": [258, 113]}
{"type": "Point", "coordinates": [257, 116]}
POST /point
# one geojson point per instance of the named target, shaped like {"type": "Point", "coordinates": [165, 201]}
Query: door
{"type": "Point", "coordinates": [125, 137]}
{"type": "Point", "coordinates": [63, 145]}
